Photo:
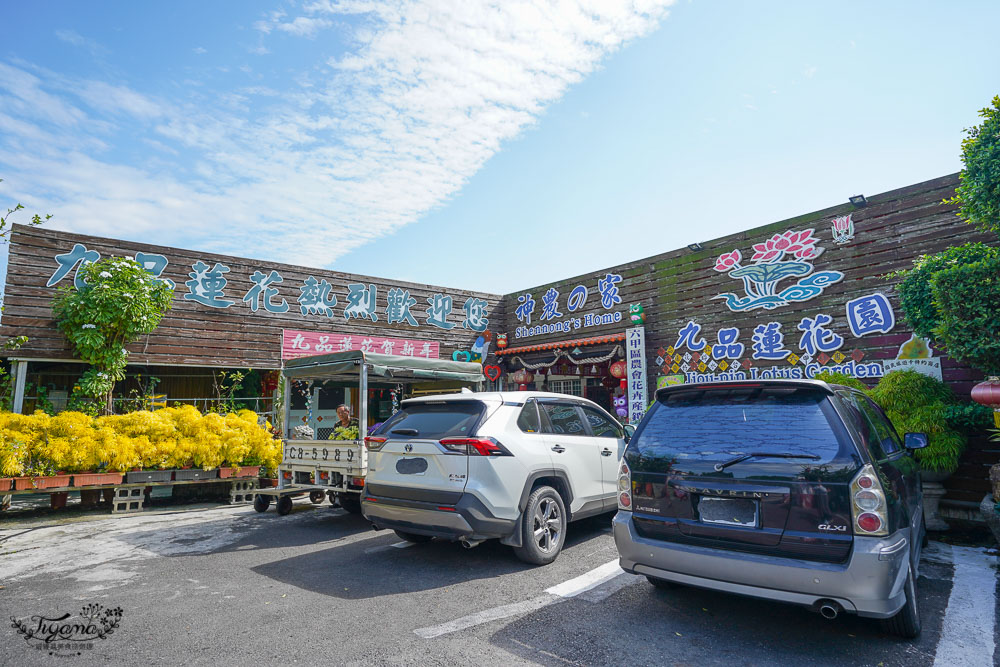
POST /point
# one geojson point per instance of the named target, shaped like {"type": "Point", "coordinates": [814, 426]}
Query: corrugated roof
{"type": "Point", "coordinates": [576, 342]}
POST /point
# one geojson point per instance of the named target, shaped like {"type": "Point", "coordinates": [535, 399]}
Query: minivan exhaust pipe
{"type": "Point", "coordinates": [469, 544]}
{"type": "Point", "coordinates": [829, 609]}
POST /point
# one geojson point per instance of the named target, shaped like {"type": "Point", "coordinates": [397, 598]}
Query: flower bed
{"type": "Point", "coordinates": [36, 446]}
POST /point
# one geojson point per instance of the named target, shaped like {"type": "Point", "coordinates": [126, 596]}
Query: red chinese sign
{"type": "Point", "coordinates": [296, 344]}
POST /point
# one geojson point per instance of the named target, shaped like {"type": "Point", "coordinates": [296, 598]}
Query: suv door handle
{"type": "Point", "coordinates": [558, 449]}
{"type": "Point", "coordinates": [606, 452]}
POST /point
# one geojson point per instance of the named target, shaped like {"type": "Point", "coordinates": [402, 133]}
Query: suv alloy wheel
{"type": "Point", "coordinates": [544, 527]}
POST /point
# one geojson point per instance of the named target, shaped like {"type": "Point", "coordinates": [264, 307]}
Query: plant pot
{"type": "Point", "coordinates": [6, 483]}
{"type": "Point", "coordinates": [988, 509]}
{"type": "Point", "coordinates": [54, 482]}
{"type": "Point", "coordinates": [140, 476]}
{"type": "Point", "coordinates": [58, 500]}
{"type": "Point", "coordinates": [226, 473]}
{"type": "Point", "coordinates": [268, 482]}
{"type": "Point", "coordinates": [933, 492]}
{"type": "Point", "coordinates": [96, 478]}
{"type": "Point", "coordinates": [187, 474]}
{"type": "Point", "coordinates": [248, 471]}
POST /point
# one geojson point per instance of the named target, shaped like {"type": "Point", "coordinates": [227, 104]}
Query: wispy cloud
{"type": "Point", "coordinates": [76, 39]}
{"type": "Point", "coordinates": [200, 50]}
{"type": "Point", "coordinates": [384, 134]}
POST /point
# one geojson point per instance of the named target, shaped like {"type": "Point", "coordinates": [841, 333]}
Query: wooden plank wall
{"type": "Point", "coordinates": [891, 231]}
{"type": "Point", "coordinates": [192, 333]}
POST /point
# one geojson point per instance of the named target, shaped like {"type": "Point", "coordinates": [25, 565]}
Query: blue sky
{"type": "Point", "coordinates": [492, 145]}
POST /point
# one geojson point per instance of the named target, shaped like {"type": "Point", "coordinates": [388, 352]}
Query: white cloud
{"type": "Point", "coordinates": [810, 71]}
{"type": "Point", "coordinates": [427, 95]}
{"type": "Point", "coordinates": [76, 39]}
{"type": "Point", "coordinates": [200, 50]}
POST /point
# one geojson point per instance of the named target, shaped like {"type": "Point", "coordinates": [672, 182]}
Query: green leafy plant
{"type": "Point", "coordinates": [121, 301]}
{"type": "Point", "coordinates": [916, 295]}
{"type": "Point", "coordinates": [840, 378]}
{"type": "Point", "coordinates": [227, 384]}
{"type": "Point", "coordinates": [978, 195]}
{"type": "Point", "coordinates": [967, 298]}
{"type": "Point", "coordinates": [917, 403]}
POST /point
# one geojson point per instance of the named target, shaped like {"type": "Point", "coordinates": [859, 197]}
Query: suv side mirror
{"type": "Point", "coordinates": [915, 440]}
{"type": "Point", "coordinates": [629, 431]}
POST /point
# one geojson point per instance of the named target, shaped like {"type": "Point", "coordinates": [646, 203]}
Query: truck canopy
{"type": "Point", "coordinates": [390, 366]}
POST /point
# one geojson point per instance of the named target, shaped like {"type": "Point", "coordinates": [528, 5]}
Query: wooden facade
{"type": "Point", "coordinates": [195, 334]}
{"type": "Point", "coordinates": [673, 288]}
{"type": "Point", "coordinates": [678, 286]}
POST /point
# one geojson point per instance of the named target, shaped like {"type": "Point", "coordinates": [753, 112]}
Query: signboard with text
{"type": "Point", "coordinates": [296, 344]}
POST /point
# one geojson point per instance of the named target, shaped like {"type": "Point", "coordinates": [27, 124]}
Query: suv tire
{"type": "Point", "coordinates": [906, 622]}
{"type": "Point", "coordinates": [543, 527]}
{"type": "Point", "coordinates": [413, 537]}
{"type": "Point", "coordinates": [350, 502]}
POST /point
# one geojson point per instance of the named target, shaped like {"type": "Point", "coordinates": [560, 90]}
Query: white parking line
{"type": "Point", "coordinates": [967, 638]}
{"type": "Point", "coordinates": [567, 589]}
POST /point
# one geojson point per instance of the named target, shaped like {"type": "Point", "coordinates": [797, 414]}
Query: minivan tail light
{"type": "Point", "coordinates": [868, 508]}
{"type": "Point", "coordinates": [624, 488]}
{"type": "Point", "coordinates": [374, 443]}
{"type": "Point", "coordinates": [475, 446]}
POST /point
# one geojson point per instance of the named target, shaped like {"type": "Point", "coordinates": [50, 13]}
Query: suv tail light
{"type": "Point", "coordinates": [475, 446]}
{"type": "Point", "coordinates": [625, 488]}
{"type": "Point", "coordinates": [374, 443]}
{"type": "Point", "coordinates": [868, 504]}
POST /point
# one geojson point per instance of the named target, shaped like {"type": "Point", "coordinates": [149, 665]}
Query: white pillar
{"type": "Point", "coordinates": [20, 375]}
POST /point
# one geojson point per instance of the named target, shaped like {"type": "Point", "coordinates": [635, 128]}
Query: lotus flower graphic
{"type": "Point", "coordinates": [760, 280]}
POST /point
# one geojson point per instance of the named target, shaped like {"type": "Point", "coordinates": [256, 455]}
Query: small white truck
{"type": "Point", "coordinates": [336, 468]}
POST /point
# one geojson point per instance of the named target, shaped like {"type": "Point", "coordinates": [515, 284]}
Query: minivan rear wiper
{"type": "Point", "coordinates": [406, 431]}
{"type": "Point", "coordinates": [719, 467]}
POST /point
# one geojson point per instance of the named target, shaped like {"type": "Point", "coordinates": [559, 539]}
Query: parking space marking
{"type": "Point", "coordinates": [386, 547]}
{"type": "Point", "coordinates": [567, 589]}
{"type": "Point", "coordinates": [967, 632]}
{"type": "Point", "coordinates": [587, 581]}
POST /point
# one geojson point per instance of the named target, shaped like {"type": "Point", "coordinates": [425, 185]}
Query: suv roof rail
{"type": "Point", "coordinates": [731, 384]}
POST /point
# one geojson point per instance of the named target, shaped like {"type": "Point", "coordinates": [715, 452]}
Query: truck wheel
{"type": "Point", "coordinates": [351, 502]}
{"type": "Point", "coordinates": [543, 527]}
{"type": "Point", "coordinates": [332, 495]}
{"type": "Point", "coordinates": [412, 537]}
{"type": "Point", "coordinates": [316, 497]}
{"type": "Point", "coordinates": [284, 505]}
{"type": "Point", "coordinates": [906, 622]}
{"type": "Point", "coordinates": [261, 503]}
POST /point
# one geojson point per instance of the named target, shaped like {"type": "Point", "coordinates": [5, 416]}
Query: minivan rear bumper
{"type": "Point", "coordinates": [869, 584]}
{"type": "Point", "coordinates": [467, 519]}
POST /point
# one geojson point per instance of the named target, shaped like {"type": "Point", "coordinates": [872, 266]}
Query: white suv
{"type": "Point", "coordinates": [511, 465]}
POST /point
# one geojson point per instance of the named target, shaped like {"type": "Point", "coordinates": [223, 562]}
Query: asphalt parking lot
{"type": "Point", "coordinates": [225, 585]}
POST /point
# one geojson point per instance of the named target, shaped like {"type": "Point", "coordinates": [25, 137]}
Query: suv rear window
{"type": "Point", "coordinates": [433, 421]}
{"type": "Point", "coordinates": [718, 424]}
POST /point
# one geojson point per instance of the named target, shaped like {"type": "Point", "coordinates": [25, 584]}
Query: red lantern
{"type": "Point", "coordinates": [617, 370]}
{"type": "Point", "coordinates": [522, 377]}
{"type": "Point", "coordinates": [987, 393]}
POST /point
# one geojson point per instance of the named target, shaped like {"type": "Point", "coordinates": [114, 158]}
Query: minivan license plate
{"type": "Point", "coordinates": [728, 511]}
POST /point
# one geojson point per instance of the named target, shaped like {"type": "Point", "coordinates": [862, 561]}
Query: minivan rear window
{"type": "Point", "coordinates": [718, 424]}
{"type": "Point", "coordinates": [433, 421]}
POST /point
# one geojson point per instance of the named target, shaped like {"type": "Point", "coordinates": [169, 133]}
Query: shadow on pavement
{"type": "Point", "coordinates": [644, 625]}
{"type": "Point", "coordinates": [372, 568]}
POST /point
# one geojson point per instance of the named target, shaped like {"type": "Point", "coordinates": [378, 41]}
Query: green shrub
{"type": "Point", "coordinates": [917, 403]}
{"type": "Point", "coordinates": [915, 292]}
{"type": "Point", "coordinates": [978, 195]}
{"type": "Point", "coordinates": [840, 378]}
{"type": "Point", "coordinates": [967, 298]}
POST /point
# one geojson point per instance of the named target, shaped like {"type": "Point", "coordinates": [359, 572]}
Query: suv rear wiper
{"type": "Point", "coordinates": [406, 431]}
{"type": "Point", "coordinates": [719, 467]}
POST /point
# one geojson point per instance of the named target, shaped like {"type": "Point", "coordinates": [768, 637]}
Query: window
{"type": "Point", "coordinates": [433, 421]}
{"type": "Point", "coordinates": [718, 424]}
{"type": "Point", "coordinates": [884, 441]}
{"type": "Point", "coordinates": [571, 387]}
{"type": "Point", "coordinates": [527, 421]}
{"type": "Point", "coordinates": [600, 426]}
{"type": "Point", "coordinates": [563, 418]}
